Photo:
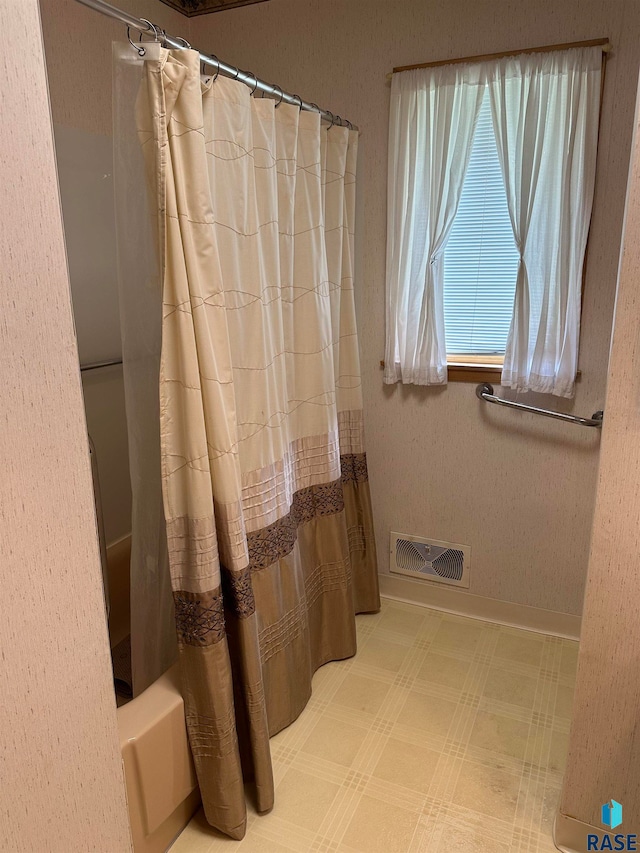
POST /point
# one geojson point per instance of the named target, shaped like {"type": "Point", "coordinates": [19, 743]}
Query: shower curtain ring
{"type": "Point", "coordinates": [349, 125]}
{"type": "Point", "coordinates": [300, 99]}
{"type": "Point", "coordinates": [151, 26]}
{"type": "Point", "coordinates": [281, 95]}
{"type": "Point", "coordinates": [215, 77]}
{"type": "Point", "coordinates": [339, 121]}
{"type": "Point", "coordinates": [137, 47]}
{"type": "Point", "coordinates": [186, 44]}
{"type": "Point", "coordinates": [251, 74]}
{"type": "Point", "coordinates": [333, 118]}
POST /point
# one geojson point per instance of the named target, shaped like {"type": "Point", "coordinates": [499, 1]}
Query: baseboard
{"type": "Point", "coordinates": [454, 600]}
{"type": "Point", "coordinates": [570, 835]}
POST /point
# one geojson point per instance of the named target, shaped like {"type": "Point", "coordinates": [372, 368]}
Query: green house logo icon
{"type": "Point", "coordinates": [612, 814]}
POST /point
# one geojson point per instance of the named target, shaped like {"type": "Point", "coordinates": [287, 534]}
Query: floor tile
{"type": "Point", "coordinates": [407, 765]}
{"type": "Point", "coordinates": [304, 799]}
{"type": "Point", "coordinates": [378, 827]}
{"type": "Point", "coordinates": [423, 713]}
{"type": "Point", "coordinates": [361, 694]}
{"type": "Point", "coordinates": [537, 804]}
{"type": "Point", "coordinates": [549, 808]}
{"type": "Point", "coordinates": [509, 687]}
{"type": "Point", "coordinates": [382, 654]}
{"type": "Point", "coordinates": [401, 620]}
{"type": "Point", "coordinates": [489, 790]}
{"type": "Point", "coordinates": [558, 751]}
{"type": "Point", "coordinates": [564, 702]}
{"type": "Point", "coordinates": [335, 741]}
{"type": "Point", "coordinates": [569, 658]}
{"type": "Point", "coordinates": [500, 734]}
{"type": "Point", "coordinates": [470, 839]}
{"type": "Point", "coordinates": [461, 634]}
{"type": "Point", "coordinates": [255, 843]}
{"type": "Point", "coordinates": [519, 646]}
{"type": "Point", "coordinates": [444, 670]}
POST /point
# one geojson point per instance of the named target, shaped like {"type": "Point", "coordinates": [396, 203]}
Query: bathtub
{"type": "Point", "coordinates": [162, 790]}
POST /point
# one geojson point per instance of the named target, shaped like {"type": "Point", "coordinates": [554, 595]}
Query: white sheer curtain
{"type": "Point", "coordinates": [433, 117]}
{"type": "Point", "coordinates": [545, 110]}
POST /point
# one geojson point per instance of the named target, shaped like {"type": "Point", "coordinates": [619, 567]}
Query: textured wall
{"type": "Point", "coordinates": [77, 44]}
{"type": "Point", "coordinates": [61, 775]}
{"type": "Point", "coordinates": [519, 490]}
{"type": "Point", "coordinates": [604, 750]}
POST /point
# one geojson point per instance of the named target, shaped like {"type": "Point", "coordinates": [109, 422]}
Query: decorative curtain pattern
{"type": "Point", "coordinates": [433, 117]}
{"type": "Point", "coordinates": [264, 474]}
{"type": "Point", "coordinates": [545, 110]}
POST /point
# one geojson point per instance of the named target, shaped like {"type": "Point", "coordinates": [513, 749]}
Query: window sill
{"type": "Point", "coordinates": [480, 373]}
{"type": "Point", "coordinates": [474, 373]}
{"type": "Point", "coordinates": [467, 372]}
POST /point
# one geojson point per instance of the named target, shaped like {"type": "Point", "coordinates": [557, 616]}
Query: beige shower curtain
{"type": "Point", "coordinates": [265, 487]}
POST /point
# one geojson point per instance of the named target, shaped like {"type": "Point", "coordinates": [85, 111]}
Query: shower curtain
{"type": "Point", "coordinates": [153, 635]}
{"type": "Point", "coordinates": [264, 474]}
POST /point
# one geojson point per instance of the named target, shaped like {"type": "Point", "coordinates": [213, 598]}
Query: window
{"type": "Point", "coordinates": [487, 230]}
{"type": "Point", "coordinates": [481, 259]}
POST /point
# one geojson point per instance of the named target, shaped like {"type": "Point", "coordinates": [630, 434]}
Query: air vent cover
{"type": "Point", "coordinates": [430, 559]}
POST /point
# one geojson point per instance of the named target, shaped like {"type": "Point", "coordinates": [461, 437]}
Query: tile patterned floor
{"type": "Point", "coordinates": [442, 734]}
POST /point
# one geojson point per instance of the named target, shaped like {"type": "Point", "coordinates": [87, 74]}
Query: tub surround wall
{"type": "Point", "coordinates": [62, 783]}
{"type": "Point", "coordinates": [518, 488]}
{"type": "Point", "coordinates": [604, 748]}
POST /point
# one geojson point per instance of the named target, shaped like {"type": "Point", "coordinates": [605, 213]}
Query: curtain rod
{"type": "Point", "coordinates": [605, 44]}
{"type": "Point", "coordinates": [246, 77]}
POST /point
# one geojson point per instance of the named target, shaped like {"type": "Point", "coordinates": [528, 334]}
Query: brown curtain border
{"type": "Point", "coordinates": [200, 615]}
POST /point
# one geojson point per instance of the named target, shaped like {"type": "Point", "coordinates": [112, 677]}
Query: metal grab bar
{"type": "Point", "coordinates": [484, 391]}
{"type": "Point", "coordinates": [97, 364]}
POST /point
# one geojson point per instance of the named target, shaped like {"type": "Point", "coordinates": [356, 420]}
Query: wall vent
{"type": "Point", "coordinates": [430, 559]}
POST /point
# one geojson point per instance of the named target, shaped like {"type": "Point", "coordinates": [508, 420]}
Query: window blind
{"type": "Point", "coordinates": [481, 259]}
